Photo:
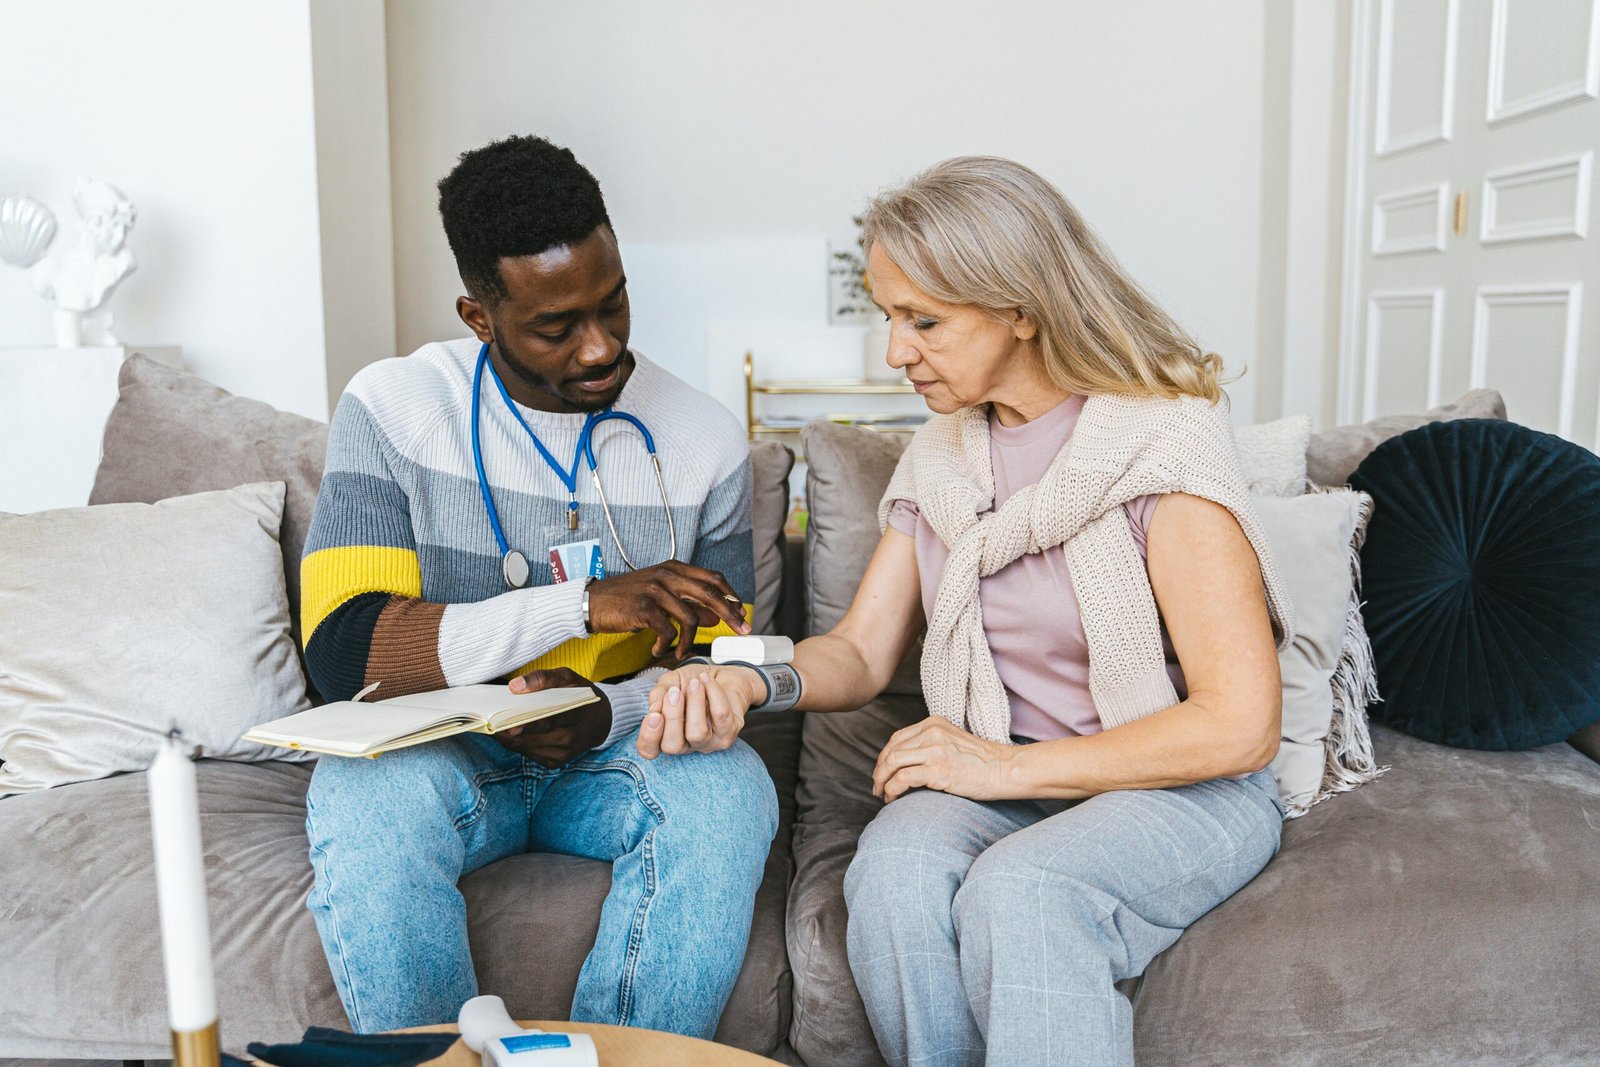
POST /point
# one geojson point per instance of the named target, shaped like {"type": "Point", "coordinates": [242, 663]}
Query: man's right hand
{"type": "Point", "coordinates": [671, 598]}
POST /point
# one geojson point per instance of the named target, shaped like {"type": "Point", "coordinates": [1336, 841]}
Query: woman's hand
{"type": "Point", "coordinates": [698, 708]}
{"type": "Point", "coordinates": [936, 755]}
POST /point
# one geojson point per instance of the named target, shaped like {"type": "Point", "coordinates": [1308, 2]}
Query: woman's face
{"type": "Point", "coordinates": [956, 355]}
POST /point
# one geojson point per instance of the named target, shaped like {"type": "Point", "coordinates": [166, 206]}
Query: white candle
{"type": "Point", "coordinates": [181, 890]}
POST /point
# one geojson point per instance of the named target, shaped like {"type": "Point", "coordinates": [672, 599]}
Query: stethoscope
{"type": "Point", "coordinates": [513, 564]}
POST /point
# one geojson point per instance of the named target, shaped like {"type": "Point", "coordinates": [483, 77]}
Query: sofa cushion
{"type": "Point", "coordinates": [1333, 455]}
{"type": "Point", "coordinates": [123, 620]}
{"type": "Point", "coordinates": [78, 908]}
{"type": "Point", "coordinates": [847, 472]}
{"type": "Point", "coordinates": [1587, 741]}
{"type": "Point", "coordinates": [81, 976]}
{"type": "Point", "coordinates": [1446, 914]}
{"type": "Point", "coordinates": [770, 464]}
{"type": "Point", "coordinates": [171, 433]}
{"type": "Point", "coordinates": [834, 803]}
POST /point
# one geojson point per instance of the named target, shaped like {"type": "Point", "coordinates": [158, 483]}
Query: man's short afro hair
{"type": "Point", "coordinates": [516, 197]}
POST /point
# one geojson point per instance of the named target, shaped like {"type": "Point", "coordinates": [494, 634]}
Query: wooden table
{"type": "Point", "coordinates": [621, 1046]}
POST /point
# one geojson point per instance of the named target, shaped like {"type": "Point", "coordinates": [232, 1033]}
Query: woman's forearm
{"type": "Point", "coordinates": [1186, 743]}
{"type": "Point", "coordinates": [852, 663]}
{"type": "Point", "coordinates": [834, 675]}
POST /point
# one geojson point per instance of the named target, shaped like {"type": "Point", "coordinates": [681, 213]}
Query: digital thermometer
{"type": "Point", "coordinates": [487, 1029]}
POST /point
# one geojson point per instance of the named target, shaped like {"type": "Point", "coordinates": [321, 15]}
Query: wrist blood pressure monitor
{"type": "Point", "coordinates": [769, 657]}
{"type": "Point", "coordinates": [756, 650]}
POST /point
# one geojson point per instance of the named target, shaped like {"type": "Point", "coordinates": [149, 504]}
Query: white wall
{"type": "Point", "coordinates": [201, 112]}
{"type": "Point", "coordinates": [724, 121]}
{"type": "Point", "coordinates": [284, 158]}
{"type": "Point", "coordinates": [350, 77]}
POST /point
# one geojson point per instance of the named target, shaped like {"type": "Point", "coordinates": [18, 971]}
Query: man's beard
{"type": "Point", "coordinates": [581, 401]}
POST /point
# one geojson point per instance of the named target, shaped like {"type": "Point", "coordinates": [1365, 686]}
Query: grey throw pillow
{"type": "Point", "coordinates": [770, 464]}
{"type": "Point", "coordinates": [171, 433]}
{"type": "Point", "coordinates": [123, 620]}
{"type": "Point", "coordinates": [1333, 455]}
{"type": "Point", "coordinates": [1328, 678]}
{"type": "Point", "coordinates": [847, 472]}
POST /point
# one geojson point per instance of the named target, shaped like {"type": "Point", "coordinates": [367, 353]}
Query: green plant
{"type": "Point", "coordinates": [849, 268]}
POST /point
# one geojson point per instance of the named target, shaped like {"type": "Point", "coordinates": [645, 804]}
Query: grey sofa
{"type": "Point", "coordinates": [1445, 913]}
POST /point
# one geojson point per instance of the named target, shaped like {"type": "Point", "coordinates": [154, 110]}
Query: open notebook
{"type": "Point", "coordinates": [350, 728]}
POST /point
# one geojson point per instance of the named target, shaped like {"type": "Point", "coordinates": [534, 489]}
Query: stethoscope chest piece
{"type": "Point", "coordinates": [516, 570]}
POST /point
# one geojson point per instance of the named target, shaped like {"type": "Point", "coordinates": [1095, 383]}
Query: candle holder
{"type": "Point", "coordinates": [181, 901]}
{"type": "Point", "coordinates": [197, 1048]}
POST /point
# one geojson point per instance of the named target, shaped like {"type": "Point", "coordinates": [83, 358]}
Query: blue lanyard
{"type": "Point", "coordinates": [583, 450]}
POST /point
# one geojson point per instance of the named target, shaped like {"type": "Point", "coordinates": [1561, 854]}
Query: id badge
{"type": "Point", "coordinates": [577, 560]}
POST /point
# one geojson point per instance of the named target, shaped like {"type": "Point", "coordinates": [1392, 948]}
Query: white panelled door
{"type": "Point", "coordinates": [1471, 255]}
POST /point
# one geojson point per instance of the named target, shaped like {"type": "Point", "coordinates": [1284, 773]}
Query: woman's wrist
{"type": "Point", "coordinates": [751, 684]}
{"type": "Point", "coordinates": [1039, 771]}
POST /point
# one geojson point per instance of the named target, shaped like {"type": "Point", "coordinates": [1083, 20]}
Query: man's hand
{"type": "Point", "coordinates": [562, 738]}
{"type": "Point", "coordinates": [698, 708]}
{"type": "Point", "coordinates": [671, 598]}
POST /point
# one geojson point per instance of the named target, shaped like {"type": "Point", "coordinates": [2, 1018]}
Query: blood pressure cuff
{"type": "Point", "coordinates": [783, 682]}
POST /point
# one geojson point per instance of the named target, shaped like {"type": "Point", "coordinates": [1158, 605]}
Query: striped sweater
{"type": "Point", "coordinates": [401, 579]}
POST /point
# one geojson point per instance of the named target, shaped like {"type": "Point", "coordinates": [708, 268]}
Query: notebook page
{"type": "Point", "coordinates": [347, 727]}
{"type": "Point", "coordinates": [491, 703]}
{"type": "Point", "coordinates": [551, 702]}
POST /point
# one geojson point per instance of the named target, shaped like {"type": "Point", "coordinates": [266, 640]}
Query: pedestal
{"type": "Point", "coordinates": [53, 408]}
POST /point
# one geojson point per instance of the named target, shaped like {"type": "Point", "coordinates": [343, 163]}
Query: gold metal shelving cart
{"type": "Point", "coordinates": [824, 387]}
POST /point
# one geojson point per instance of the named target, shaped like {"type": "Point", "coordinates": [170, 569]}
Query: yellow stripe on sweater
{"type": "Point", "coordinates": [600, 657]}
{"type": "Point", "coordinates": [333, 575]}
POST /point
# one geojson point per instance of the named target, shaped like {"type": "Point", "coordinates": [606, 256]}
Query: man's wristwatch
{"type": "Point", "coordinates": [586, 627]}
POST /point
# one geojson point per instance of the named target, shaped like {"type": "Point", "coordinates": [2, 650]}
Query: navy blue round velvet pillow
{"type": "Point", "coordinates": [1482, 576]}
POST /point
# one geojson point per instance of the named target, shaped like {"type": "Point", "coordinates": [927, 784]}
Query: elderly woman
{"type": "Point", "coordinates": [1102, 619]}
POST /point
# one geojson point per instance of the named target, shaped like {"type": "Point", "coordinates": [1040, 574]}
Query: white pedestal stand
{"type": "Point", "coordinates": [53, 408]}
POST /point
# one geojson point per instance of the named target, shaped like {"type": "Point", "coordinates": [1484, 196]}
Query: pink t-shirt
{"type": "Point", "coordinates": [1030, 609]}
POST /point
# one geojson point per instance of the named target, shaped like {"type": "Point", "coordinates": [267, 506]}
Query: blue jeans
{"type": "Point", "coordinates": [687, 838]}
{"type": "Point", "coordinates": [992, 932]}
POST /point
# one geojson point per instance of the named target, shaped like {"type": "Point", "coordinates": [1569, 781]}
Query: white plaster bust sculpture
{"type": "Point", "coordinates": [79, 282]}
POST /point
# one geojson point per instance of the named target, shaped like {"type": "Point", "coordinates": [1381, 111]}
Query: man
{"type": "Point", "coordinates": [451, 475]}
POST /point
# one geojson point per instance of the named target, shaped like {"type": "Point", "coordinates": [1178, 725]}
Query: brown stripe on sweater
{"type": "Point", "coordinates": [404, 654]}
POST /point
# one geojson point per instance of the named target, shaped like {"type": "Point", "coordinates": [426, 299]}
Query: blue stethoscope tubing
{"type": "Point", "coordinates": [514, 565]}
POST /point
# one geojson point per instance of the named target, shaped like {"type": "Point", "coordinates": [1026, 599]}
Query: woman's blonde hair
{"type": "Point", "coordinates": [989, 232]}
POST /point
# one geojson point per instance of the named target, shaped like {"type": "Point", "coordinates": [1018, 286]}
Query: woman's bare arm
{"type": "Point", "coordinates": [1207, 583]}
{"type": "Point", "coordinates": [699, 708]}
{"type": "Point", "coordinates": [852, 663]}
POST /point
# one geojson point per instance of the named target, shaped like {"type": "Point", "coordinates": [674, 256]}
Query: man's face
{"type": "Point", "coordinates": [559, 339]}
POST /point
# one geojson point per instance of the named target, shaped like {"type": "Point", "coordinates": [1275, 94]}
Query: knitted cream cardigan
{"type": "Point", "coordinates": [1123, 447]}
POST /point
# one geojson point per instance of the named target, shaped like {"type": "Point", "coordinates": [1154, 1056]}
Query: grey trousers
{"type": "Point", "coordinates": [992, 932]}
